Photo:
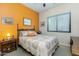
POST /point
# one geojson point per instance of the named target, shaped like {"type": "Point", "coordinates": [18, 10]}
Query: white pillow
{"type": "Point", "coordinates": [23, 33]}
{"type": "Point", "coordinates": [32, 33]}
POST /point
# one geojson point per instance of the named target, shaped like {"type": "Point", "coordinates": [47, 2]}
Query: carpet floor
{"type": "Point", "coordinates": [61, 51]}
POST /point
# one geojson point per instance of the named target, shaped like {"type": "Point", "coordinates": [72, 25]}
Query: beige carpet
{"type": "Point", "coordinates": [61, 51]}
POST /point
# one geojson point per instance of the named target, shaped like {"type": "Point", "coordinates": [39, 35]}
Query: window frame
{"type": "Point", "coordinates": [57, 23]}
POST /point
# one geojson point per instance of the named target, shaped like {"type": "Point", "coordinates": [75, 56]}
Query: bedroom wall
{"type": "Point", "coordinates": [63, 38]}
{"type": "Point", "coordinates": [4, 30]}
{"type": "Point", "coordinates": [18, 12]}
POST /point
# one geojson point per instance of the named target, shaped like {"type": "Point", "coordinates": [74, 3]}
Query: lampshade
{"type": "Point", "coordinates": [8, 34]}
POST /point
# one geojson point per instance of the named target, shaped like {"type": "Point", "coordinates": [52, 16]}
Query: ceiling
{"type": "Point", "coordinates": [39, 6]}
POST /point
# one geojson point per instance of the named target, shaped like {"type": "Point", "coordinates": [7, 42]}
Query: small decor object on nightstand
{"type": "Point", "coordinates": [39, 32]}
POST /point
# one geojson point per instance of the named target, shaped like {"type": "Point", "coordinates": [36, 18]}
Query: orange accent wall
{"type": "Point", "coordinates": [4, 30]}
{"type": "Point", "coordinates": [18, 12]}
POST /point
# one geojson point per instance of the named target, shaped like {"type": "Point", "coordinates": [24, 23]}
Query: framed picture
{"type": "Point", "coordinates": [42, 23]}
{"type": "Point", "coordinates": [7, 20]}
{"type": "Point", "coordinates": [27, 21]}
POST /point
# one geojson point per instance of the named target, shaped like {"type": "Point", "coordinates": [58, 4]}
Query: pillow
{"type": "Point", "coordinates": [23, 33]}
{"type": "Point", "coordinates": [32, 33]}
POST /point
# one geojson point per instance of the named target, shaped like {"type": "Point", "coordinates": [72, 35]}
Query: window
{"type": "Point", "coordinates": [59, 23]}
{"type": "Point", "coordinates": [52, 21]}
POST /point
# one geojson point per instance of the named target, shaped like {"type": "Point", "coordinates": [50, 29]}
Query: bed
{"type": "Point", "coordinates": [38, 45]}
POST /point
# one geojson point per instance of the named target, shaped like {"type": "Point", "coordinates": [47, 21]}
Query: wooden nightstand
{"type": "Point", "coordinates": [8, 46]}
{"type": "Point", "coordinates": [74, 46]}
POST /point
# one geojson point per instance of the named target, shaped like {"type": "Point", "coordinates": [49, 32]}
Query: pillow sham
{"type": "Point", "coordinates": [23, 33]}
{"type": "Point", "coordinates": [32, 33]}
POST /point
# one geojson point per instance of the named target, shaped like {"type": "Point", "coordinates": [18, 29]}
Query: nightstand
{"type": "Point", "coordinates": [74, 46]}
{"type": "Point", "coordinates": [8, 46]}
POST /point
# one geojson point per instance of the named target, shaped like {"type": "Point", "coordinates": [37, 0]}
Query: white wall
{"type": "Point", "coordinates": [63, 38]}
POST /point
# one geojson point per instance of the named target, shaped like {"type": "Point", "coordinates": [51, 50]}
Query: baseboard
{"type": "Point", "coordinates": [64, 45]}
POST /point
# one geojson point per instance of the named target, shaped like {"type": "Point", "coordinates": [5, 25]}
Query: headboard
{"type": "Point", "coordinates": [32, 29]}
{"type": "Point", "coordinates": [26, 29]}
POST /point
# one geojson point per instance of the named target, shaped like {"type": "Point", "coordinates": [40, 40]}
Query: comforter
{"type": "Point", "coordinates": [40, 45]}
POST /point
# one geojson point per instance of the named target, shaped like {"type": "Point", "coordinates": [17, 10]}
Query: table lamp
{"type": "Point", "coordinates": [8, 35]}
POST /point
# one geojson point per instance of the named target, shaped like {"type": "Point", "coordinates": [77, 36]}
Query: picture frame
{"type": "Point", "coordinates": [7, 20]}
{"type": "Point", "coordinates": [42, 23]}
{"type": "Point", "coordinates": [27, 21]}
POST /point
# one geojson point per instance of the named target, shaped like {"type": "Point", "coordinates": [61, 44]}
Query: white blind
{"type": "Point", "coordinates": [52, 23]}
{"type": "Point", "coordinates": [63, 22]}
{"type": "Point", "coordinates": [59, 23]}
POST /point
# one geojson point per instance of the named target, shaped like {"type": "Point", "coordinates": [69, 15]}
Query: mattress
{"type": "Point", "coordinates": [40, 45]}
